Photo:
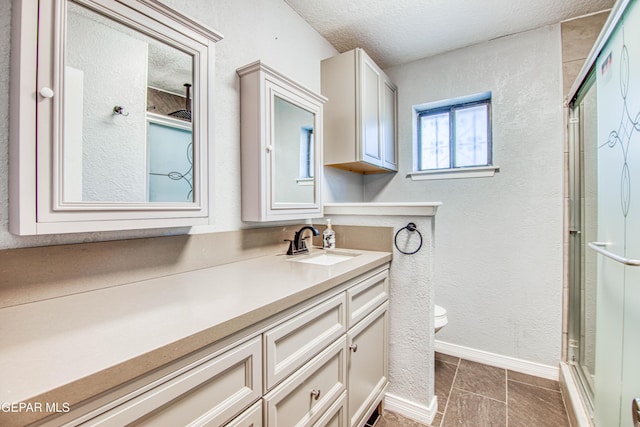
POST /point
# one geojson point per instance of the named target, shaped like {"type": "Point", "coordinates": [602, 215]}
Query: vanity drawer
{"type": "Point", "coordinates": [294, 342]}
{"type": "Point", "coordinates": [252, 417]}
{"type": "Point", "coordinates": [207, 395]}
{"type": "Point", "coordinates": [336, 415]}
{"type": "Point", "coordinates": [364, 297]}
{"type": "Point", "coordinates": [306, 395]}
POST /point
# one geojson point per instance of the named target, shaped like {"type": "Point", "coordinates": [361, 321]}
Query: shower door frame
{"type": "Point", "coordinates": [577, 244]}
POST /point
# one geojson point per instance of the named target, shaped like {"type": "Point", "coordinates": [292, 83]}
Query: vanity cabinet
{"type": "Point", "coordinates": [360, 116]}
{"type": "Point", "coordinates": [85, 154]}
{"type": "Point", "coordinates": [354, 365]}
{"type": "Point", "coordinates": [281, 140]}
{"type": "Point", "coordinates": [321, 364]}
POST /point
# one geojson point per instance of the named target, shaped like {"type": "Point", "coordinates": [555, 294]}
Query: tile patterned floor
{"type": "Point", "coordinates": [474, 395]}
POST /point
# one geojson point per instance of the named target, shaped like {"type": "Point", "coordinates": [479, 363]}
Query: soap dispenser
{"type": "Point", "coordinates": [328, 237]}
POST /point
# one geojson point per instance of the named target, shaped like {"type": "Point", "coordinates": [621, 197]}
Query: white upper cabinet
{"type": "Point", "coordinates": [110, 124]}
{"type": "Point", "coordinates": [360, 115]}
{"type": "Point", "coordinates": [281, 146]}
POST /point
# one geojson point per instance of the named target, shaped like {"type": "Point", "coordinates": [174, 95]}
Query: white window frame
{"type": "Point", "coordinates": [452, 172]}
{"type": "Point", "coordinates": [307, 160]}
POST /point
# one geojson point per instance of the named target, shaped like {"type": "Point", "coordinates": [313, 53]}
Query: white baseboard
{"type": "Point", "coordinates": [422, 414]}
{"type": "Point", "coordinates": [497, 360]}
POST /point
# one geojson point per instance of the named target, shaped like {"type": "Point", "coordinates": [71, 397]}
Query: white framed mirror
{"type": "Point", "coordinates": [121, 115]}
{"type": "Point", "coordinates": [281, 144]}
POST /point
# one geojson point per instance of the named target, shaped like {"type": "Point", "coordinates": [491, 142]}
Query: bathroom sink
{"type": "Point", "coordinates": [325, 258]}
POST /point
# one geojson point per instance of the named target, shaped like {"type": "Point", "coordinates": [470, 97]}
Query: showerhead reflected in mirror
{"type": "Point", "coordinates": [145, 153]}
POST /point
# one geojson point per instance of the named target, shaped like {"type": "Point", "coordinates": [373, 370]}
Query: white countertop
{"type": "Point", "coordinates": [48, 345]}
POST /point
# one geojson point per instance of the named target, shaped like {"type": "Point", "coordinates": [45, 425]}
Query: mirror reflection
{"type": "Point", "coordinates": [294, 153]}
{"type": "Point", "coordinates": [127, 126]}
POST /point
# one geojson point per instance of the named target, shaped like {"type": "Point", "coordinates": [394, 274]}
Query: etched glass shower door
{"type": "Point", "coordinates": [170, 159]}
{"type": "Point", "coordinates": [618, 243]}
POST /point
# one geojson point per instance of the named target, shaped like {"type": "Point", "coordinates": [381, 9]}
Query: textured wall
{"type": "Point", "coordinates": [5, 51]}
{"type": "Point", "coordinates": [411, 369]}
{"type": "Point", "coordinates": [499, 250]}
{"type": "Point", "coordinates": [342, 186]}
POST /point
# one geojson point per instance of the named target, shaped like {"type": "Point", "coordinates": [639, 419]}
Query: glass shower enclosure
{"type": "Point", "coordinates": [604, 205]}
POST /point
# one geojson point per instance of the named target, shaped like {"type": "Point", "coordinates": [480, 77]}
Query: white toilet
{"type": "Point", "coordinates": [440, 317]}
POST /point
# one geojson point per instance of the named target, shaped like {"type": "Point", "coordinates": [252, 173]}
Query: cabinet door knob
{"type": "Point", "coordinates": [353, 347]}
{"type": "Point", "coordinates": [315, 393]}
{"type": "Point", "coordinates": [46, 92]}
{"type": "Point", "coordinates": [269, 148]}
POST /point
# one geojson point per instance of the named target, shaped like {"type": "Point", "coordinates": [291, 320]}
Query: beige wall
{"type": "Point", "coordinates": [35, 274]}
{"type": "Point", "coordinates": [578, 37]}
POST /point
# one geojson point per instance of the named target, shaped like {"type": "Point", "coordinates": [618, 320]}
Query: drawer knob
{"type": "Point", "coordinates": [353, 347]}
{"type": "Point", "coordinates": [315, 393]}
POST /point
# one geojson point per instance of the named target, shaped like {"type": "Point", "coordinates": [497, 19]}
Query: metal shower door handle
{"type": "Point", "coordinates": [599, 247]}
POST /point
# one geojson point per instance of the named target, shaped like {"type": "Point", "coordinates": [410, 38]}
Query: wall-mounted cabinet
{"type": "Point", "coordinates": [360, 116]}
{"type": "Point", "coordinates": [281, 146]}
{"type": "Point", "coordinates": [87, 152]}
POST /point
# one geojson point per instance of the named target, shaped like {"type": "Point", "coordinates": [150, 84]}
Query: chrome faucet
{"type": "Point", "coordinates": [298, 245]}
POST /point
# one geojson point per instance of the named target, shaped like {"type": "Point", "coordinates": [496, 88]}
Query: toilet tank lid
{"type": "Point", "coordinates": [439, 311]}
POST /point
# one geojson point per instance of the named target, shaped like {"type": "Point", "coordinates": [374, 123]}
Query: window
{"type": "Point", "coordinates": [453, 135]}
{"type": "Point", "coordinates": [306, 156]}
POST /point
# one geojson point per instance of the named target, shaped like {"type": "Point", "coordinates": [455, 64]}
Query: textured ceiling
{"type": "Point", "coordinates": [399, 31]}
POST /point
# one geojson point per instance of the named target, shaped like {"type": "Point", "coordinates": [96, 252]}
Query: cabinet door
{"type": "Point", "coordinates": [388, 124]}
{"type": "Point", "coordinates": [370, 78]}
{"type": "Point", "coordinates": [79, 164]}
{"type": "Point", "coordinates": [281, 146]}
{"type": "Point", "coordinates": [367, 364]}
